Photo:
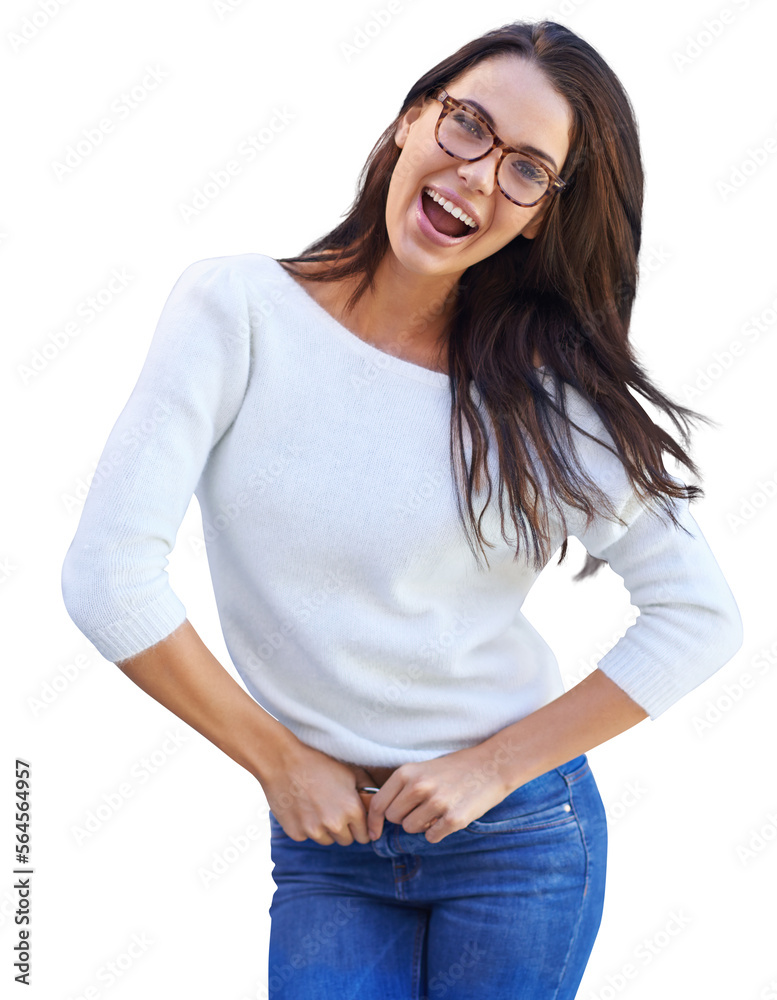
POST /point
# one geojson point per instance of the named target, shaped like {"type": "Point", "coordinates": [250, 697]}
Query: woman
{"type": "Point", "coordinates": [436, 827]}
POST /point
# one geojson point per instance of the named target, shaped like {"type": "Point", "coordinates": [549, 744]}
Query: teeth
{"type": "Point", "coordinates": [454, 210]}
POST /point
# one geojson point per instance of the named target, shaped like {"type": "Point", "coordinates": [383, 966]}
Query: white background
{"type": "Point", "coordinates": [685, 793]}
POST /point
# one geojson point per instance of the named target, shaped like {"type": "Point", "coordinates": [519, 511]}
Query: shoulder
{"type": "Point", "coordinates": [594, 448]}
{"type": "Point", "coordinates": [243, 266]}
{"type": "Point", "coordinates": [238, 283]}
{"type": "Point", "coordinates": [579, 409]}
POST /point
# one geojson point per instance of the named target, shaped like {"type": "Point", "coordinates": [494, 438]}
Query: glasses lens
{"type": "Point", "coordinates": [523, 179]}
{"type": "Point", "coordinates": [463, 135]}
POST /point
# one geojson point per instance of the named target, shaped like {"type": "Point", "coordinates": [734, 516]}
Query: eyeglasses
{"type": "Point", "coordinates": [466, 135]}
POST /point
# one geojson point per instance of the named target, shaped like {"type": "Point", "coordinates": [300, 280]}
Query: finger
{"type": "Point", "coordinates": [415, 823]}
{"type": "Point", "coordinates": [372, 829]}
{"type": "Point", "coordinates": [397, 797]}
{"type": "Point", "coordinates": [434, 838]}
{"type": "Point", "coordinates": [326, 839]}
{"type": "Point", "coordinates": [354, 830]}
{"type": "Point", "coordinates": [374, 816]}
{"type": "Point", "coordinates": [366, 800]}
{"type": "Point", "coordinates": [359, 829]}
{"type": "Point", "coordinates": [344, 839]}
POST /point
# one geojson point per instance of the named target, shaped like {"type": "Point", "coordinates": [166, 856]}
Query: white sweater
{"type": "Point", "coordinates": [349, 599]}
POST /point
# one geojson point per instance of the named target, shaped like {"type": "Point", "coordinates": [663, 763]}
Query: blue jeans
{"type": "Point", "coordinates": [507, 907]}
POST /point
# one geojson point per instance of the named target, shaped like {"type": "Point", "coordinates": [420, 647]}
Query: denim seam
{"type": "Point", "coordinates": [519, 828]}
{"type": "Point", "coordinates": [576, 931]}
{"type": "Point", "coordinates": [408, 872]}
{"type": "Point", "coordinates": [418, 947]}
{"type": "Point", "coordinates": [575, 775]}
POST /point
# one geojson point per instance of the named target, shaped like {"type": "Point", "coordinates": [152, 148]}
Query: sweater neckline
{"type": "Point", "coordinates": [381, 359]}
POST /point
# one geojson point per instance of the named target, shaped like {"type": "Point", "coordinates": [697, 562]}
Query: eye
{"type": "Point", "coordinates": [529, 171]}
{"type": "Point", "coordinates": [468, 124]}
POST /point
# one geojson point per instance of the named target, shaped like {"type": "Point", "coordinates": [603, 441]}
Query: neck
{"type": "Point", "coordinates": [406, 313]}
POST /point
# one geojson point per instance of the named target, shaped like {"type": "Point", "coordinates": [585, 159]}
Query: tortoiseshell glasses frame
{"type": "Point", "coordinates": [555, 184]}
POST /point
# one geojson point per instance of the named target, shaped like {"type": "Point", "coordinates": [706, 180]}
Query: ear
{"type": "Point", "coordinates": [403, 128]}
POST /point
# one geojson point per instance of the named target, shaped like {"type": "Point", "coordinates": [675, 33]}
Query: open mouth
{"type": "Point", "coordinates": [442, 221]}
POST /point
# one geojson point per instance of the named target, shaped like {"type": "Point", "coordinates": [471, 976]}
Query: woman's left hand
{"type": "Point", "coordinates": [450, 791]}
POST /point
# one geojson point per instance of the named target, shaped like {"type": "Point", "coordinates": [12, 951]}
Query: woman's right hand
{"type": "Point", "coordinates": [314, 796]}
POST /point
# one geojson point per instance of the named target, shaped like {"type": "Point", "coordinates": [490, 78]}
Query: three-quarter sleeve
{"type": "Point", "coordinates": [689, 624]}
{"type": "Point", "coordinates": [114, 580]}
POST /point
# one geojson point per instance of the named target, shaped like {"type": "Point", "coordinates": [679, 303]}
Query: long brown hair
{"type": "Point", "coordinates": [567, 295]}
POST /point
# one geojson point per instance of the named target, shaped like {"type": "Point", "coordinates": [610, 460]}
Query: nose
{"type": "Point", "coordinates": [480, 175]}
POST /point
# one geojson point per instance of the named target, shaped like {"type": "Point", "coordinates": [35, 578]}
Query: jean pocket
{"type": "Point", "coordinates": [545, 802]}
{"type": "Point", "coordinates": [497, 820]}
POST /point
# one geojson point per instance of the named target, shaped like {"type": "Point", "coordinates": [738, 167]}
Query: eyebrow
{"type": "Point", "coordinates": [529, 149]}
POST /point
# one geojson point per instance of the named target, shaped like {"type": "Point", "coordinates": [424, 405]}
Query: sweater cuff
{"type": "Point", "coordinates": [651, 688]}
{"type": "Point", "coordinates": [140, 630]}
